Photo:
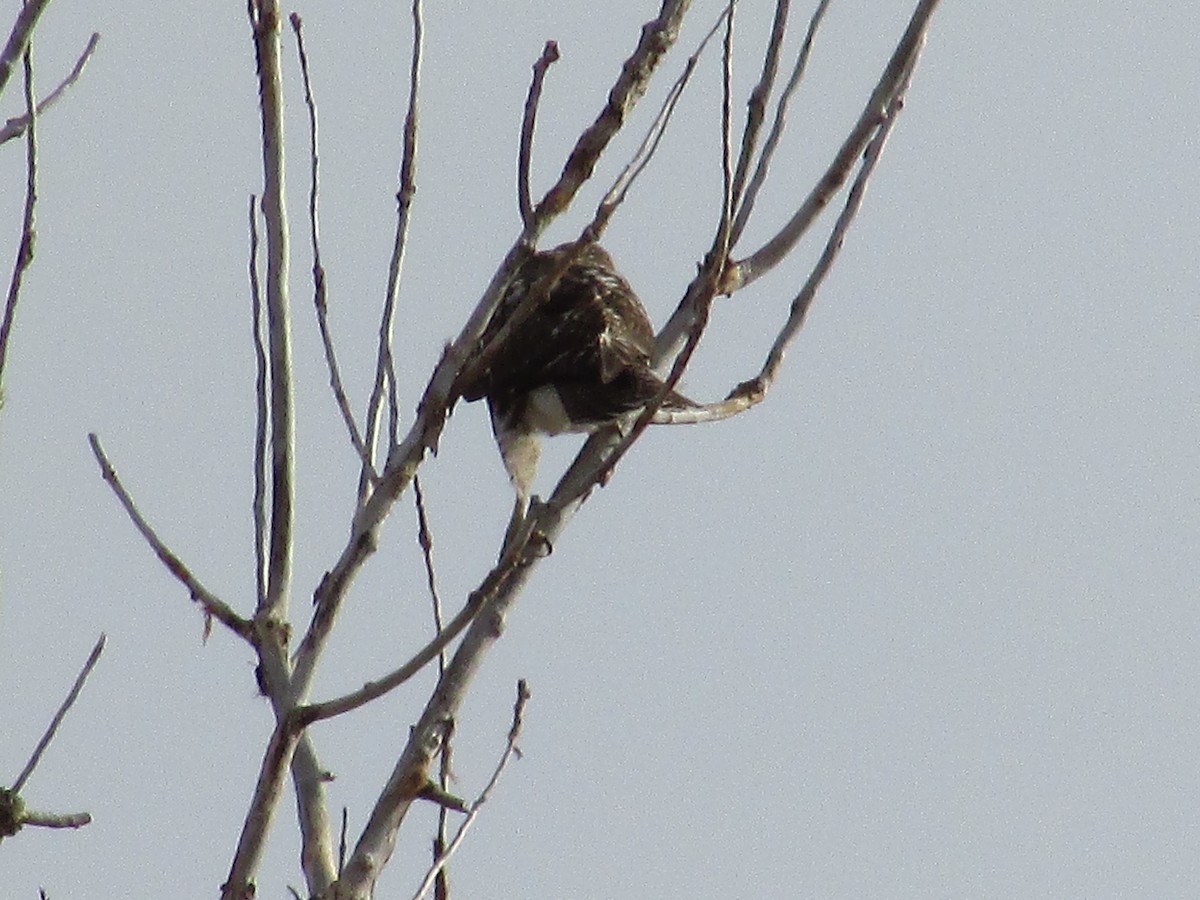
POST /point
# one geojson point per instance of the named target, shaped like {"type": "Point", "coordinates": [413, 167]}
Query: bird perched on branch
{"type": "Point", "coordinates": [578, 361]}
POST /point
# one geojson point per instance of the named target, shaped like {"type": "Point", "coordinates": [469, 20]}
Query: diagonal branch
{"type": "Point", "coordinates": [768, 256]}
{"type": "Point", "coordinates": [28, 231]}
{"type": "Point", "coordinates": [510, 750]}
{"type": "Point", "coordinates": [212, 606]}
{"type": "Point", "coordinates": [19, 37]}
{"type": "Point", "coordinates": [15, 127]}
{"type": "Point", "coordinates": [72, 696]}
{"type": "Point", "coordinates": [803, 300]}
{"type": "Point", "coordinates": [658, 35]}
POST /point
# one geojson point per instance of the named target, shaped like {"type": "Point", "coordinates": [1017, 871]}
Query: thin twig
{"type": "Point", "coordinates": [721, 245]}
{"type": "Point", "coordinates": [318, 270]}
{"type": "Point", "coordinates": [768, 256]}
{"type": "Point", "coordinates": [524, 201]}
{"type": "Point", "coordinates": [385, 370]}
{"type": "Point", "coordinates": [259, 502]}
{"type": "Point", "coordinates": [757, 104]}
{"type": "Point", "coordinates": [654, 134]}
{"type": "Point", "coordinates": [16, 126]}
{"type": "Point", "coordinates": [72, 695]}
{"type": "Point", "coordinates": [212, 606]}
{"type": "Point", "coordinates": [510, 750]}
{"type": "Point", "coordinates": [747, 201]}
{"type": "Point", "coordinates": [425, 539]}
{"type": "Point", "coordinates": [800, 305]}
{"type": "Point", "coordinates": [25, 248]}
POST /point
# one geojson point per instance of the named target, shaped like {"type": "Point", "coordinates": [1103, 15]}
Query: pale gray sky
{"type": "Point", "coordinates": [922, 625]}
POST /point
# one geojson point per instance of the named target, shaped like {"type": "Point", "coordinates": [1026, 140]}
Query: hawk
{"type": "Point", "coordinates": [578, 362]}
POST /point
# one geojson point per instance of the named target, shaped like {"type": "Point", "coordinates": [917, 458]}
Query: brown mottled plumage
{"type": "Point", "coordinates": [581, 360]}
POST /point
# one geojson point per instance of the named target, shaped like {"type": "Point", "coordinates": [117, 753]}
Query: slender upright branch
{"type": "Point", "coordinates": [259, 502]}
{"type": "Point", "coordinates": [746, 201]}
{"type": "Point", "coordinates": [385, 369]}
{"type": "Point", "coordinates": [15, 127]}
{"type": "Point", "coordinates": [318, 269]}
{"type": "Point", "coordinates": [524, 201]}
{"type": "Point", "coordinates": [25, 247]}
{"type": "Point", "coordinates": [425, 539]}
{"type": "Point", "coordinates": [265, 22]}
{"type": "Point", "coordinates": [757, 104]}
{"type": "Point", "coordinates": [66, 705]}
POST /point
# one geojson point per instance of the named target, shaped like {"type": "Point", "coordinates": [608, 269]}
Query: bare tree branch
{"type": "Point", "coordinates": [18, 38]}
{"type": "Point", "coordinates": [510, 750]}
{"type": "Point", "coordinates": [746, 202]}
{"type": "Point", "coordinates": [259, 502]}
{"type": "Point", "coordinates": [646, 150]}
{"type": "Point", "coordinates": [212, 606]}
{"type": "Point", "coordinates": [766, 257]}
{"type": "Point", "coordinates": [25, 247]}
{"type": "Point", "coordinates": [15, 127]}
{"type": "Point", "coordinates": [756, 105]}
{"type": "Point", "coordinates": [658, 35]}
{"type": "Point", "coordinates": [56, 820]}
{"type": "Point", "coordinates": [318, 270]}
{"type": "Point", "coordinates": [385, 374]}
{"type": "Point", "coordinates": [265, 21]}
{"type": "Point", "coordinates": [425, 539]}
{"type": "Point", "coordinates": [372, 690]}
{"type": "Point", "coordinates": [524, 201]}
{"type": "Point", "coordinates": [267, 791]}
{"type": "Point", "coordinates": [803, 300]}
{"type": "Point", "coordinates": [52, 729]}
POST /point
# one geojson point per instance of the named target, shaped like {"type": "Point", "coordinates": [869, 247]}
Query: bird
{"type": "Point", "coordinates": [578, 362]}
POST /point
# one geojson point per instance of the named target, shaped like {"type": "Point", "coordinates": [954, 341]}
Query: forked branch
{"type": "Point", "coordinates": [15, 127]}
